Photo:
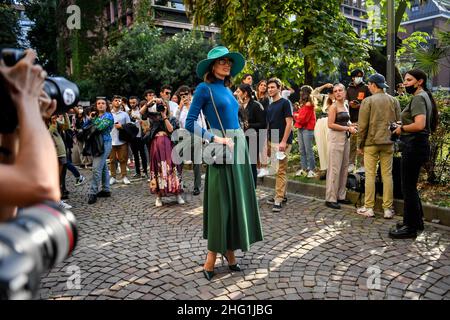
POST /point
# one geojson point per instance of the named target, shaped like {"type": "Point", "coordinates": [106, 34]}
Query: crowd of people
{"type": "Point", "coordinates": [351, 126]}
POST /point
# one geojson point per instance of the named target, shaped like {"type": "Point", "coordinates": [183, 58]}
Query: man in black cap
{"type": "Point", "coordinates": [376, 114]}
{"type": "Point", "coordinates": [356, 92]}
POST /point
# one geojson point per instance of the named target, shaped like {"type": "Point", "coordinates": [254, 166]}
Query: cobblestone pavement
{"type": "Point", "coordinates": [128, 249]}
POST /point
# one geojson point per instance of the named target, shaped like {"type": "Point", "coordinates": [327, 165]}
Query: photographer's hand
{"type": "Point", "coordinates": [33, 177]}
{"type": "Point", "coordinates": [47, 105]}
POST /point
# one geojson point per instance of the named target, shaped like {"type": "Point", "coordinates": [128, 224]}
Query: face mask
{"type": "Point", "coordinates": [410, 89]}
{"type": "Point", "coordinates": [358, 80]}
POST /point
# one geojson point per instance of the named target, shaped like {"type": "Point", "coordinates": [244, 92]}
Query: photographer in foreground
{"type": "Point", "coordinates": [419, 120]}
{"type": "Point", "coordinates": [28, 162]}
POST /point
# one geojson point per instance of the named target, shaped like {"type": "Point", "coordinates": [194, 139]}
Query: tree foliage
{"type": "Point", "coordinates": [43, 33]}
{"type": "Point", "coordinates": [9, 25]}
{"type": "Point", "coordinates": [141, 60]}
{"type": "Point", "coordinates": [296, 39]}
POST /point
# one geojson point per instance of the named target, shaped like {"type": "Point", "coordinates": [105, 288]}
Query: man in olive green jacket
{"type": "Point", "coordinates": [374, 141]}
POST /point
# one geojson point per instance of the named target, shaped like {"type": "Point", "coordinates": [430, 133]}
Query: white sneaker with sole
{"type": "Point", "coordinates": [300, 173]}
{"type": "Point", "coordinates": [311, 174]}
{"type": "Point", "coordinates": [180, 199]}
{"type": "Point", "coordinates": [64, 205]}
{"type": "Point", "coordinates": [158, 202]}
{"type": "Point", "coordinates": [112, 180]}
{"type": "Point", "coordinates": [80, 180]}
{"type": "Point", "coordinates": [262, 172]}
{"type": "Point", "coordinates": [367, 212]}
{"type": "Point", "coordinates": [351, 168]}
{"type": "Point", "coordinates": [388, 213]}
{"type": "Point", "coordinates": [125, 180]}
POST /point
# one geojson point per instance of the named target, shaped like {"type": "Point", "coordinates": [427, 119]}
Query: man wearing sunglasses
{"type": "Point", "coordinates": [166, 94]}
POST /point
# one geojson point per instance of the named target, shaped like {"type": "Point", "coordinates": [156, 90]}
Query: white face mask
{"type": "Point", "coordinates": [358, 80]}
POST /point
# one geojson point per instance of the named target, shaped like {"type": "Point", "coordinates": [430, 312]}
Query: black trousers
{"type": "Point", "coordinates": [138, 149]}
{"type": "Point", "coordinates": [415, 153]}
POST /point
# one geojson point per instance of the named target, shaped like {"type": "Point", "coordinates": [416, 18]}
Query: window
{"type": "Point", "coordinates": [414, 8]}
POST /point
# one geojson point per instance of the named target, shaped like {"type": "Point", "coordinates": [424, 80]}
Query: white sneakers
{"type": "Point", "coordinates": [158, 201]}
{"type": "Point", "coordinates": [351, 167]}
{"type": "Point", "coordinates": [311, 174]}
{"type": "Point", "coordinates": [300, 172]}
{"type": "Point", "coordinates": [388, 213]}
{"type": "Point", "coordinates": [64, 205]}
{"type": "Point", "coordinates": [367, 212]}
{"type": "Point", "coordinates": [112, 180]}
{"type": "Point", "coordinates": [262, 172]}
{"type": "Point", "coordinates": [180, 199]}
{"type": "Point", "coordinates": [125, 180]}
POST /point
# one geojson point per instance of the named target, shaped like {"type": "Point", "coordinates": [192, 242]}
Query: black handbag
{"type": "Point", "coordinates": [217, 153]}
{"type": "Point", "coordinates": [93, 141]}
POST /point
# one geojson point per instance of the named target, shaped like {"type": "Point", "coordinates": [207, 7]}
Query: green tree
{"type": "Point", "coordinates": [297, 39]}
{"type": "Point", "coordinates": [9, 25]}
{"type": "Point", "coordinates": [141, 60]}
{"type": "Point", "coordinates": [43, 33]}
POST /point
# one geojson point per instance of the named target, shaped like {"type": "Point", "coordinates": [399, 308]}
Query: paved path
{"type": "Point", "coordinates": [128, 249]}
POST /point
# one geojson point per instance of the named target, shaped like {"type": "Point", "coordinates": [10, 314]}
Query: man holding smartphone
{"type": "Point", "coordinates": [357, 91]}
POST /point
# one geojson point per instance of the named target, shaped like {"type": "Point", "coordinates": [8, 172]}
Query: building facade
{"type": "Point", "coordinates": [430, 17]}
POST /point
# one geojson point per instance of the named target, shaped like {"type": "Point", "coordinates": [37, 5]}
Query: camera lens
{"type": "Point", "coordinates": [39, 238]}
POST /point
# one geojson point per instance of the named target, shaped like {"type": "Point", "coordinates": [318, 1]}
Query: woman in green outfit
{"type": "Point", "coordinates": [230, 208]}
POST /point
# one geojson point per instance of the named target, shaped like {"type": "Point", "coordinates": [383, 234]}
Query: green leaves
{"type": "Point", "coordinates": [276, 36]}
{"type": "Point", "coordinates": [141, 59]}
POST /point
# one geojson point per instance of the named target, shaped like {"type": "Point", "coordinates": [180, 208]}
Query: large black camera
{"type": "Point", "coordinates": [64, 91]}
{"type": "Point", "coordinates": [392, 127]}
{"type": "Point", "coordinates": [160, 107]}
{"type": "Point", "coordinates": [39, 238]}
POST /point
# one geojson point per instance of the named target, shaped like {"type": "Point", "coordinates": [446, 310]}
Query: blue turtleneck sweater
{"type": "Point", "coordinates": [226, 104]}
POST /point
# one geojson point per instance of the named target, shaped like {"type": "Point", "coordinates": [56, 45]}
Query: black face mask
{"type": "Point", "coordinates": [410, 89]}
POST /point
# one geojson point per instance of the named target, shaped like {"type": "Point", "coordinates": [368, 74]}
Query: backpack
{"type": "Point", "coordinates": [356, 182]}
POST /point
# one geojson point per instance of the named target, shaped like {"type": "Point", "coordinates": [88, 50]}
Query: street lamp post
{"type": "Point", "coordinates": [390, 76]}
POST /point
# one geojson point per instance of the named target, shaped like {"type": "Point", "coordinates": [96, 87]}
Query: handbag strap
{"type": "Point", "coordinates": [217, 113]}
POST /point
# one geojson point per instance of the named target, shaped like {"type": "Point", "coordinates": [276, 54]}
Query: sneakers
{"type": "Point", "coordinates": [158, 202]}
{"type": "Point", "coordinates": [263, 172]}
{"type": "Point", "coordinates": [388, 213]}
{"type": "Point", "coordinates": [125, 180]}
{"type": "Point", "coordinates": [311, 174]}
{"type": "Point", "coordinates": [92, 198]}
{"type": "Point", "coordinates": [112, 180]}
{"type": "Point", "coordinates": [367, 212]}
{"type": "Point", "coordinates": [272, 200]}
{"type": "Point", "coordinates": [196, 191]}
{"type": "Point", "coordinates": [276, 207]}
{"type": "Point", "coordinates": [80, 180]}
{"type": "Point", "coordinates": [351, 167]}
{"type": "Point", "coordinates": [300, 172]}
{"type": "Point", "coordinates": [203, 176]}
{"type": "Point", "coordinates": [180, 199]}
{"type": "Point", "coordinates": [136, 176]}
{"type": "Point", "coordinates": [64, 205]}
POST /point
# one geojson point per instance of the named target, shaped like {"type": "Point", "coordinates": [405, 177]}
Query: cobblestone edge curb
{"type": "Point", "coordinates": [432, 213]}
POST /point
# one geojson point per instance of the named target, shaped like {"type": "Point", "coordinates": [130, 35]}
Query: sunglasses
{"type": "Point", "coordinates": [168, 92]}
{"type": "Point", "coordinates": [225, 61]}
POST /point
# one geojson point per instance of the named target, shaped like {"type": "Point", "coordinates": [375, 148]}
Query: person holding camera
{"type": "Point", "coordinates": [165, 176]}
{"type": "Point", "coordinates": [28, 161]}
{"type": "Point", "coordinates": [103, 121]}
{"type": "Point", "coordinates": [419, 120]}
{"type": "Point", "coordinates": [376, 114]}
{"type": "Point", "coordinates": [340, 129]}
{"type": "Point", "coordinates": [137, 145]}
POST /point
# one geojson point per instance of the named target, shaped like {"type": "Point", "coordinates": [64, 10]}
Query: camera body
{"type": "Point", "coordinates": [160, 107]}
{"type": "Point", "coordinates": [392, 127]}
{"type": "Point", "coordinates": [39, 238]}
{"type": "Point", "coordinates": [65, 92]}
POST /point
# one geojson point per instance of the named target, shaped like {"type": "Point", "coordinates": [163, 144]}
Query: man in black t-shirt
{"type": "Point", "coordinates": [279, 120]}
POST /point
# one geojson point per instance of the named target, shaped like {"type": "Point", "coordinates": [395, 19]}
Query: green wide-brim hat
{"type": "Point", "coordinates": [221, 52]}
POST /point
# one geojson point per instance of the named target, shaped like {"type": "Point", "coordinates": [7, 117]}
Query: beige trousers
{"type": "Point", "coordinates": [338, 158]}
{"type": "Point", "coordinates": [320, 135]}
{"type": "Point", "coordinates": [121, 154]}
{"type": "Point", "coordinates": [384, 154]}
{"type": "Point", "coordinates": [280, 167]}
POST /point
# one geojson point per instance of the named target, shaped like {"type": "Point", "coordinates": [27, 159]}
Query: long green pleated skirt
{"type": "Point", "coordinates": [230, 209]}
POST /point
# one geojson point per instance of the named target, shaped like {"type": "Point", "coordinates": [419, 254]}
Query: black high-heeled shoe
{"type": "Point", "coordinates": [208, 274]}
{"type": "Point", "coordinates": [232, 267]}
